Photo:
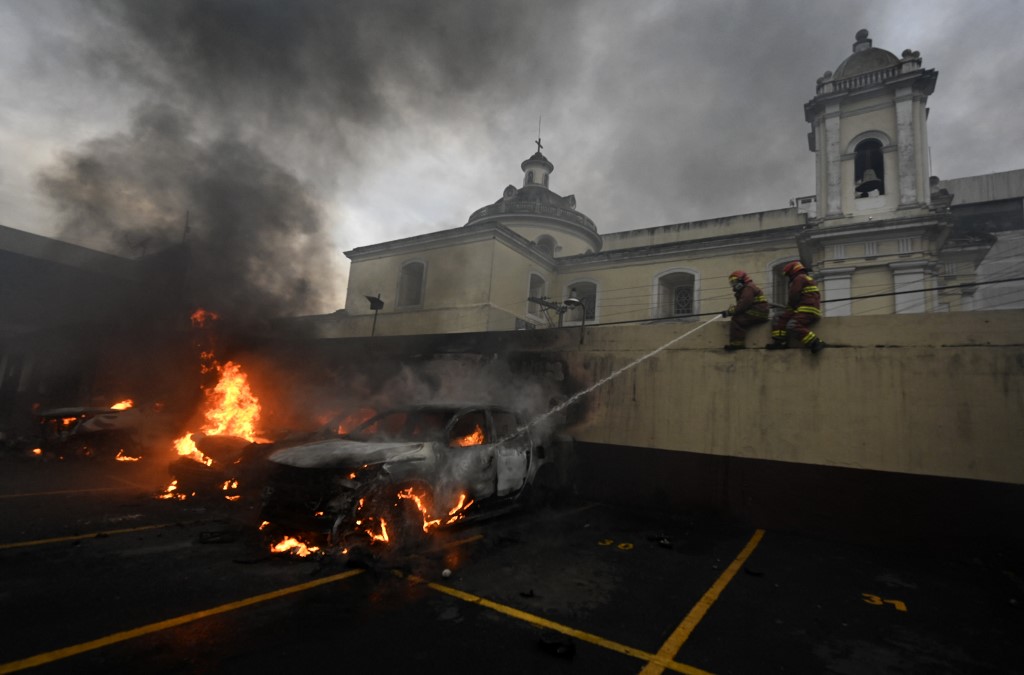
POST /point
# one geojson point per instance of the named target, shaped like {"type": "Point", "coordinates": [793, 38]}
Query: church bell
{"type": "Point", "coordinates": [868, 182]}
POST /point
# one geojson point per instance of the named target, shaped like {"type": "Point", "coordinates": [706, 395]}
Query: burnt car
{"type": "Point", "coordinates": [88, 432]}
{"type": "Point", "coordinates": [401, 474]}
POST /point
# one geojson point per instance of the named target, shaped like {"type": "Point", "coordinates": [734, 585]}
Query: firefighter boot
{"type": "Point", "coordinates": [777, 344]}
{"type": "Point", "coordinates": [816, 345]}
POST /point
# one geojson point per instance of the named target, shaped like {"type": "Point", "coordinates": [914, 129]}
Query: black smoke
{"type": "Point", "coordinates": [256, 240]}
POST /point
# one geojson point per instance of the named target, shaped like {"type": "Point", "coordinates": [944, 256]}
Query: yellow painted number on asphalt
{"type": "Point", "coordinates": [877, 600]}
{"type": "Point", "coordinates": [622, 546]}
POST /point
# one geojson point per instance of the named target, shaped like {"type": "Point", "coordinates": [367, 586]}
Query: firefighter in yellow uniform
{"type": "Point", "coordinates": [803, 310]}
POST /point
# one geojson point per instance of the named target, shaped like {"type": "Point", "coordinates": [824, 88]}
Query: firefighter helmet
{"type": "Point", "coordinates": [738, 275]}
{"type": "Point", "coordinates": [793, 268]}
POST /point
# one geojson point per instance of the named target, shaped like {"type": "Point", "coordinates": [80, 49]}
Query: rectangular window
{"type": "Point", "coordinates": [838, 251]}
{"type": "Point", "coordinates": [906, 245]}
{"type": "Point", "coordinates": [870, 249]}
{"type": "Point", "coordinates": [949, 270]}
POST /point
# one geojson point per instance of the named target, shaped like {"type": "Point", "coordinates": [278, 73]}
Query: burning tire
{"type": "Point", "coordinates": [393, 516]}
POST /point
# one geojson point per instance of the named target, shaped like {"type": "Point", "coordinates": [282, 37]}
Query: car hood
{"type": "Point", "coordinates": [340, 453]}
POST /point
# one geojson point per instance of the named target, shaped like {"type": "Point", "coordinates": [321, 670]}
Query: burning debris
{"type": "Point", "coordinates": [211, 460]}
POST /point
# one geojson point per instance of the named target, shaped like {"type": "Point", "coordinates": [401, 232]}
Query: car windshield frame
{"type": "Point", "coordinates": [410, 425]}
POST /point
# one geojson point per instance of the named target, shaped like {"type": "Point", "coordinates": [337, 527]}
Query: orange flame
{"type": "Point", "coordinates": [123, 405]}
{"type": "Point", "coordinates": [475, 438]}
{"type": "Point", "coordinates": [418, 500]}
{"type": "Point", "coordinates": [231, 409]}
{"type": "Point", "coordinates": [293, 546]}
{"type": "Point", "coordinates": [459, 510]}
{"type": "Point", "coordinates": [37, 451]}
{"type": "Point", "coordinates": [201, 316]}
{"type": "Point", "coordinates": [171, 492]}
{"type": "Point", "coordinates": [121, 457]}
{"type": "Point", "coordinates": [383, 536]}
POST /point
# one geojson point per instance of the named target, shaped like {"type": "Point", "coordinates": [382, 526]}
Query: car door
{"type": "Point", "coordinates": [511, 451]}
{"type": "Point", "coordinates": [470, 451]}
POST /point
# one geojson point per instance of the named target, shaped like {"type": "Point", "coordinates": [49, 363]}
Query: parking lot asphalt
{"type": "Point", "coordinates": [99, 576]}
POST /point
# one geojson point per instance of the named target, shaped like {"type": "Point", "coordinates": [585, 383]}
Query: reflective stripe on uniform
{"type": "Point", "coordinates": [810, 337]}
{"type": "Point", "coordinates": [804, 309]}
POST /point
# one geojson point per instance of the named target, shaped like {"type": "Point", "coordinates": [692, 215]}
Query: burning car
{"type": "Point", "coordinates": [89, 431]}
{"type": "Point", "coordinates": [401, 474]}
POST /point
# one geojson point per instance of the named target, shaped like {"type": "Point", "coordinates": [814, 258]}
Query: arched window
{"type": "Point", "coordinates": [586, 293]}
{"type": "Point", "coordinates": [676, 294]}
{"type": "Point", "coordinates": [538, 287]}
{"type": "Point", "coordinates": [780, 284]}
{"type": "Point", "coordinates": [410, 285]}
{"type": "Point", "coordinates": [868, 168]}
{"type": "Point", "coordinates": [529, 177]}
{"type": "Point", "coordinates": [546, 243]}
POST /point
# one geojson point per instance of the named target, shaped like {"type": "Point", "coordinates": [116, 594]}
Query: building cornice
{"type": "Point", "coordinates": [468, 234]}
{"type": "Point", "coordinates": [655, 252]}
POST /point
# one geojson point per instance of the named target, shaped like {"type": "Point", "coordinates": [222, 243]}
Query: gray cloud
{"type": "Point", "coordinates": [654, 112]}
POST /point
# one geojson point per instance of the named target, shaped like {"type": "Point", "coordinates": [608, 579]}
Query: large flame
{"type": "Point", "coordinates": [123, 405]}
{"type": "Point", "coordinates": [231, 409]}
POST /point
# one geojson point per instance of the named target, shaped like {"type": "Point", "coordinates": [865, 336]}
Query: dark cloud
{"type": "Point", "coordinates": [654, 112]}
{"type": "Point", "coordinates": [257, 242]}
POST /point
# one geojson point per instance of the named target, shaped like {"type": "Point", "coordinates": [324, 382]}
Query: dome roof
{"type": "Point", "coordinates": [865, 58]}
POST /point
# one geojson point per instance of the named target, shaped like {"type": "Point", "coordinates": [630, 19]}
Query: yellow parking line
{"type": "Point", "coordinates": [60, 492]}
{"type": "Point", "coordinates": [91, 535]}
{"type": "Point", "coordinates": [56, 655]}
{"type": "Point", "coordinates": [563, 629]}
{"type": "Point", "coordinates": [682, 633]}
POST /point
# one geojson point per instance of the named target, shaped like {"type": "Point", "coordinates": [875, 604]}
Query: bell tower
{"type": "Point", "coordinates": [877, 238]}
{"type": "Point", "coordinates": [869, 133]}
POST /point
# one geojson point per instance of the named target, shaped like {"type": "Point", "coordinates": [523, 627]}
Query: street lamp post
{"type": "Point", "coordinates": [376, 304]}
{"type": "Point", "coordinates": [572, 302]}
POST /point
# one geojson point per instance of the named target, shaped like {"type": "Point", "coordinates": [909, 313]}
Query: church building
{"type": "Point", "coordinates": [881, 234]}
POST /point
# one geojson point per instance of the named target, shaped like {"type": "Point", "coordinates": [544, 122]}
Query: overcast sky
{"type": "Point", "coordinates": [377, 120]}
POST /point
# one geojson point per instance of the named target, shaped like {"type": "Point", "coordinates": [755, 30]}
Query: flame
{"type": "Point", "coordinates": [383, 536]}
{"type": "Point", "coordinates": [231, 409]}
{"type": "Point", "coordinates": [418, 500]}
{"type": "Point", "coordinates": [68, 421]}
{"type": "Point", "coordinates": [475, 438]}
{"type": "Point", "coordinates": [121, 457]}
{"type": "Point", "coordinates": [123, 405]}
{"type": "Point", "coordinates": [201, 316]}
{"type": "Point", "coordinates": [37, 451]}
{"type": "Point", "coordinates": [459, 510]}
{"type": "Point", "coordinates": [293, 546]}
{"type": "Point", "coordinates": [171, 491]}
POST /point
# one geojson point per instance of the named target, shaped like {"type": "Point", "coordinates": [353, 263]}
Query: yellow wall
{"type": "Point", "coordinates": [934, 394]}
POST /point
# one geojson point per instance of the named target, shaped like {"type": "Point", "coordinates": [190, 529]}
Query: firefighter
{"type": "Point", "coordinates": [803, 309]}
{"type": "Point", "coordinates": [751, 308]}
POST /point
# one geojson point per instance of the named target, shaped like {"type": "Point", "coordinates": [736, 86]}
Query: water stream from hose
{"type": "Point", "coordinates": [580, 394]}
